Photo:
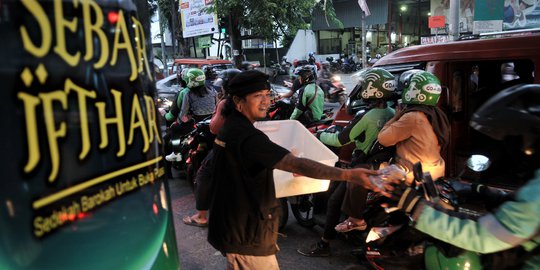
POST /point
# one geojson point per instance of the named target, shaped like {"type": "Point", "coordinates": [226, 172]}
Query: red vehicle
{"type": "Point", "coordinates": [218, 64]}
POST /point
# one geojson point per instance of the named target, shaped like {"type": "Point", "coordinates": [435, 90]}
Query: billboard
{"type": "Point", "coordinates": [197, 20]}
{"type": "Point", "coordinates": [466, 13]}
{"type": "Point", "coordinates": [480, 16]}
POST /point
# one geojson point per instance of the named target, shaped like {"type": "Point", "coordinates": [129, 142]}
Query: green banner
{"type": "Point", "coordinates": [486, 10]}
{"type": "Point", "coordinates": [204, 42]}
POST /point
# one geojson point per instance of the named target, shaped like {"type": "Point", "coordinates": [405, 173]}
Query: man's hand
{"type": "Point", "coordinates": [404, 197]}
{"type": "Point", "coordinates": [360, 176]}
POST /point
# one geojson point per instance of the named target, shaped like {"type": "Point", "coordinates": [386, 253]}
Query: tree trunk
{"type": "Point", "coordinates": [236, 42]}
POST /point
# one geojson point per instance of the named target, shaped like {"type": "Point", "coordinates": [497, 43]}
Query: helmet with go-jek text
{"type": "Point", "coordinates": [195, 78]}
{"type": "Point", "coordinates": [424, 88]}
{"type": "Point", "coordinates": [378, 83]}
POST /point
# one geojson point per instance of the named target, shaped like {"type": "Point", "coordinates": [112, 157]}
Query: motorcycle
{"type": "Point", "coordinates": [195, 147]}
{"type": "Point", "coordinates": [391, 242]}
{"type": "Point", "coordinates": [335, 65]}
{"type": "Point", "coordinates": [176, 133]}
{"type": "Point", "coordinates": [334, 90]}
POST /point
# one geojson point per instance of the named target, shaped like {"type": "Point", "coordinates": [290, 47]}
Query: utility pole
{"type": "Point", "coordinates": [163, 54]}
{"type": "Point", "coordinates": [364, 58]}
{"type": "Point", "coordinates": [173, 30]}
{"type": "Point", "coordinates": [454, 20]}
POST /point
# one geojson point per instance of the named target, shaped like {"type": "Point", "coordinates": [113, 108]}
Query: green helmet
{"type": "Point", "coordinates": [424, 88]}
{"type": "Point", "coordinates": [195, 78]}
{"type": "Point", "coordinates": [378, 83]}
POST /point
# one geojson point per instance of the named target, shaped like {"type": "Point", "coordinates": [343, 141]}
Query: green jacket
{"type": "Point", "coordinates": [306, 93]}
{"type": "Point", "coordinates": [175, 110]}
{"type": "Point", "coordinates": [514, 223]}
{"type": "Point", "coordinates": [362, 130]}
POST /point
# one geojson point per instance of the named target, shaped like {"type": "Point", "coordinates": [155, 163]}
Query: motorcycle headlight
{"type": "Point", "coordinates": [336, 78]}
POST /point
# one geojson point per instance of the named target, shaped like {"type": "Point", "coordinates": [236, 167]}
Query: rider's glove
{"type": "Point", "coordinates": [404, 197]}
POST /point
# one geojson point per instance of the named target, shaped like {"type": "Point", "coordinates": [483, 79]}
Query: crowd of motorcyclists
{"type": "Point", "coordinates": [417, 128]}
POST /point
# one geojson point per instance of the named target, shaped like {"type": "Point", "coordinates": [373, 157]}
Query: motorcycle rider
{"type": "Point", "coordinates": [205, 172]}
{"type": "Point", "coordinates": [511, 116]}
{"type": "Point", "coordinates": [324, 77]}
{"type": "Point", "coordinates": [211, 75]}
{"type": "Point", "coordinates": [175, 126]}
{"type": "Point", "coordinates": [309, 107]}
{"type": "Point", "coordinates": [172, 114]}
{"type": "Point", "coordinates": [363, 131]}
{"type": "Point", "coordinates": [200, 102]}
{"type": "Point", "coordinates": [311, 58]}
{"type": "Point", "coordinates": [420, 130]}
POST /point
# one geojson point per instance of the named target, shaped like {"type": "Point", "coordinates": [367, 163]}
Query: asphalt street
{"type": "Point", "coordinates": [196, 254]}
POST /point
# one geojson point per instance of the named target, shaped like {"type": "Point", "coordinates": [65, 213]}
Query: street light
{"type": "Point", "coordinates": [403, 8]}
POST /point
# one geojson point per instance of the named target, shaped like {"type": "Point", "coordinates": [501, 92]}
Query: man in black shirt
{"type": "Point", "coordinates": [243, 222]}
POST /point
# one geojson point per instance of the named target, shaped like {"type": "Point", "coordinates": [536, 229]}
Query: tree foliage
{"type": "Point", "coordinates": [272, 19]}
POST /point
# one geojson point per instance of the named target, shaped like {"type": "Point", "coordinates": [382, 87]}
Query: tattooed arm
{"type": "Point", "coordinates": [310, 168]}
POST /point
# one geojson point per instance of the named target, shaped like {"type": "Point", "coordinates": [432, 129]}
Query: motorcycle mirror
{"type": "Point", "coordinates": [478, 163]}
{"type": "Point", "coordinates": [417, 171]}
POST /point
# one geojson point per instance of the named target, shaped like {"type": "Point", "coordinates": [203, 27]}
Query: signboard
{"type": "Point", "coordinates": [196, 21]}
{"type": "Point", "coordinates": [83, 177]}
{"type": "Point", "coordinates": [204, 42]}
{"type": "Point", "coordinates": [436, 22]}
{"type": "Point", "coordinates": [434, 39]}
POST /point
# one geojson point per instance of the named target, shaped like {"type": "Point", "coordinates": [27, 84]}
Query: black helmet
{"type": "Point", "coordinates": [405, 78]}
{"type": "Point", "coordinates": [225, 76]}
{"type": "Point", "coordinates": [209, 72]}
{"type": "Point", "coordinates": [514, 111]}
{"type": "Point", "coordinates": [306, 74]}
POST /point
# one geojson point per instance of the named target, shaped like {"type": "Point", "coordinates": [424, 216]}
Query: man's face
{"type": "Point", "coordinates": [255, 106]}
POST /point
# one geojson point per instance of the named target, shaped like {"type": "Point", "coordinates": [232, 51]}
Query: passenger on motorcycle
{"type": "Point", "coordinates": [211, 75]}
{"type": "Point", "coordinates": [173, 112]}
{"type": "Point", "coordinates": [324, 77]}
{"type": "Point", "coordinates": [420, 130]}
{"type": "Point", "coordinates": [351, 198]}
{"type": "Point", "coordinates": [200, 102]}
{"type": "Point", "coordinates": [175, 127]}
{"type": "Point", "coordinates": [204, 174]}
{"type": "Point", "coordinates": [310, 99]}
{"type": "Point", "coordinates": [512, 116]}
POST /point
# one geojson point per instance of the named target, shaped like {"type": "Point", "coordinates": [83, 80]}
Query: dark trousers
{"type": "Point", "coordinates": [355, 198]}
{"type": "Point", "coordinates": [333, 212]}
{"type": "Point", "coordinates": [203, 182]}
{"type": "Point", "coordinates": [354, 201]}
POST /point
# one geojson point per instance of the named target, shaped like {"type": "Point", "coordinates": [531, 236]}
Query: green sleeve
{"type": "Point", "coordinates": [461, 232]}
{"type": "Point", "coordinates": [514, 223]}
{"type": "Point", "coordinates": [295, 114]}
{"type": "Point", "coordinates": [181, 97]}
{"type": "Point", "coordinates": [330, 139]}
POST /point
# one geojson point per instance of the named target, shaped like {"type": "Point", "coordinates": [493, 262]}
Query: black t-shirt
{"type": "Point", "coordinates": [244, 212]}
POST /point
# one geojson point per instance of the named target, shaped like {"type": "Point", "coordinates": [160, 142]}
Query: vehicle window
{"type": "Point", "coordinates": [472, 85]}
{"type": "Point", "coordinates": [222, 67]}
{"type": "Point", "coordinates": [171, 83]}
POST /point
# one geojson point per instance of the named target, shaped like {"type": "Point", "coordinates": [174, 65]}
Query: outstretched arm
{"type": "Point", "coordinates": [310, 168]}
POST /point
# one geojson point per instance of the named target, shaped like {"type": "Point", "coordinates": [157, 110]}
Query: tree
{"type": "Point", "coordinates": [269, 19]}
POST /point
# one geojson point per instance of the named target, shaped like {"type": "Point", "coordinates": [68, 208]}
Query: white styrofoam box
{"type": "Point", "coordinates": [293, 136]}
